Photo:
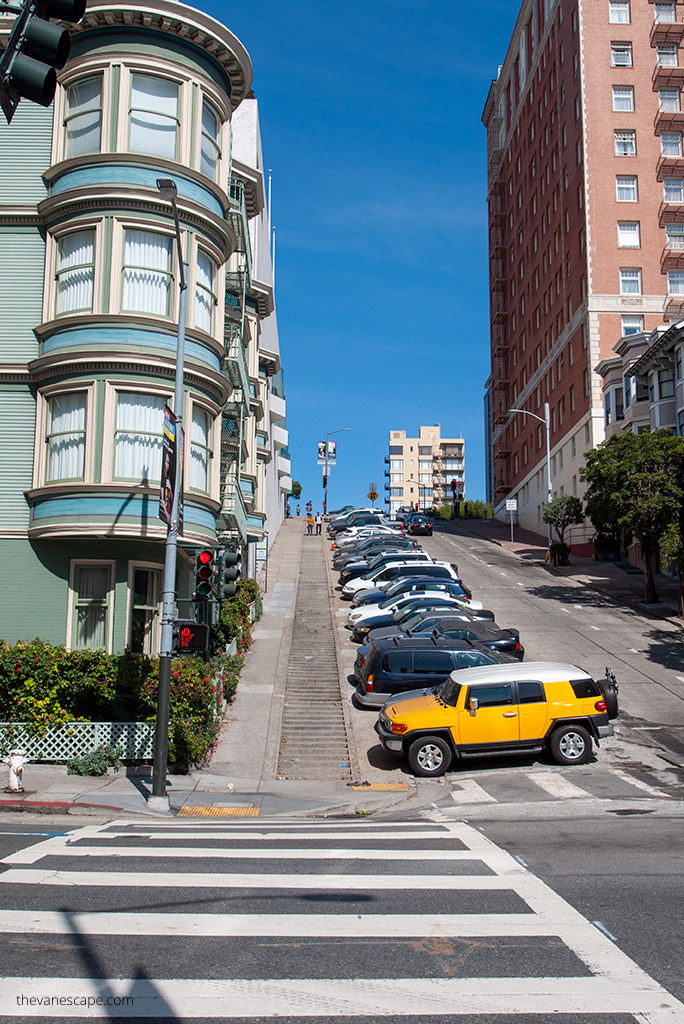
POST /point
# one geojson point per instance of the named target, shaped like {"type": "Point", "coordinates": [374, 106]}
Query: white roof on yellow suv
{"type": "Point", "coordinates": [542, 671]}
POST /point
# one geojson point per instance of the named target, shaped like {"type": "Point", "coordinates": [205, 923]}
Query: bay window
{"type": "Point", "coordinates": [200, 448]}
{"type": "Point", "coordinates": [75, 272]}
{"type": "Point", "coordinates": [138, 437]}
{"type": "Point", "coordinates": [65, 436]}
{"type": "Point", "coordinates": [147, 276]}
{"type": "Point", "coordinates": [154, 118]}
{"type": "Point", "coordinates": [210, 151]}
{"type": "Point", "coordinates": [83, 117]}
{"type": "Point", "coordinates": [205, 296]}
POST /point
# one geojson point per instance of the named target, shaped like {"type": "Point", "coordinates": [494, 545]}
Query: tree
{"type": "Point", "coordinates": [672, 553]}
{"type": "Point", "coordinates": [296, 491]}
{"type": "Point", "coordinates": [636, 483]}
{"type": "Point", "coordinates": [563, 512]}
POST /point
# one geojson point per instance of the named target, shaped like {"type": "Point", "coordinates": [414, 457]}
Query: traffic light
{"type": "Point", "coordinates": [204, 575]}
{"type": "Point", "coordinates": [36, 48]}
{"type": "Point", "coordinates": [229, 572]}
{"type": "Point", "coordinates": [325, 480]}
{"type": "Point", "coordinates": [453, 487]}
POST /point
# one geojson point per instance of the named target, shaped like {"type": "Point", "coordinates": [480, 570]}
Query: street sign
{"type": "Point", "coordinates": [373, 495]}
{"type": "Point", "coordinates": [511, 504]}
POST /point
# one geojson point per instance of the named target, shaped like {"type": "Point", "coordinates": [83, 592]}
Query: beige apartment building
{"type": "Point", "coordinates": [585, 171]}
{"type": "Point", "coordinates": [419, 470]}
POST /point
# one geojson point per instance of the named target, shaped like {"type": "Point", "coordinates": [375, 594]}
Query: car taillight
{"type": "Point", "coordinates": [399, 727]}
{"type": "Point", "coordinates": [369, 684]}
{"type": "Point", "coordinates": [517, 645]}
{"type": "Point", "coordinates": [361, 661]}
{"type": "Point", "coordinates": [600, 705]}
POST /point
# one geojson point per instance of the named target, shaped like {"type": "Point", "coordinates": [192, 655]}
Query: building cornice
{"type": "Point", "coordinates": [67, 364]}
{"type": "Point", "coordinates": [187, 24]}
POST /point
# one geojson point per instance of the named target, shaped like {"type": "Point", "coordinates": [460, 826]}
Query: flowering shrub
{"type": "Point", "coordinates": [45, 686]}
{"type": "Point", "coordinates": [234, 619]}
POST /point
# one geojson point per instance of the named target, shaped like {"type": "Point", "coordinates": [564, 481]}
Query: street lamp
{"type": "Point", "coordinates": [325, 497]}
{"type": "Point", "coordinates": [159, 798]}
{"type": "Point", "coordinates": [546, 420]}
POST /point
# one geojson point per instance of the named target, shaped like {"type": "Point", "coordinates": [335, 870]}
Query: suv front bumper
{"type": "Point", "coordinates": [388, 739]}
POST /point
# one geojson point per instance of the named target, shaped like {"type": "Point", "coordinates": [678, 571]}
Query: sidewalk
{"type": "Point", "coordinates": [240, 780]}
{"type": "Point", "coordinates": [621, 580]}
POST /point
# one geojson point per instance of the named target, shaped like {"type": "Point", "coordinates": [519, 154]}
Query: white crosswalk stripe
{"type": "Point", "coordinates": [539, 785]}
{"type": "Point", "coordinates": [601, 979]}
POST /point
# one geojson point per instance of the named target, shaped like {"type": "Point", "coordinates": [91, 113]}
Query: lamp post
{"type": "Point", "coordinates": [325, 497]}
{"type": "Point", "coordinates": [546, 420]}
{"type": "Point", "coordinates": [159, 799]}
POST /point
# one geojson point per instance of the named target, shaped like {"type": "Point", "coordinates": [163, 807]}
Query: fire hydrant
{"type": "Point", "coordinates": [15, 760]}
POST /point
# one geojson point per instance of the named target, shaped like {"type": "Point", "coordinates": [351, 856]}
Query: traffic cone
{"type": "Point", "coordinates": [332, 546]}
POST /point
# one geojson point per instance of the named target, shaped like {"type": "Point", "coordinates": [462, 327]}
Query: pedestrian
{"type": "Point", "coordinates": [309, 524]}
{"type": "Point", "coordinates": [319, 523]}
{"type": "Point", "coordinates": [309, 507]}
{"type": "Point", "coordinates": [298, 510]}
{"type": "Point", "coordinates": [287, 511]}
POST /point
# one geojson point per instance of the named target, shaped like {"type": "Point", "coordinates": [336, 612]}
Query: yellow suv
{"type": "Point", "coordinates": [501, 709]}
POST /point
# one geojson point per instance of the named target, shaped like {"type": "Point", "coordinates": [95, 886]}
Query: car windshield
{"type": "Point", "coordinates": [409, 620]}
{"type": "Point", "coordinates": [449, 691]}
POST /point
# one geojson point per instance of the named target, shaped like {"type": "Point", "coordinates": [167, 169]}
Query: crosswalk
{"type": "Point", "coordinates": [539, 785]}
{"type": "Point", "coordinates": [304, 920]}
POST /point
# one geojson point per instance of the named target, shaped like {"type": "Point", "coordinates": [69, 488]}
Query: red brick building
{"type": "Point", "coordinates": [586, 224]}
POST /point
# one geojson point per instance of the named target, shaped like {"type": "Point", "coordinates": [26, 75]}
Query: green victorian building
{"type": "Point", "coordinates": [89, 306]}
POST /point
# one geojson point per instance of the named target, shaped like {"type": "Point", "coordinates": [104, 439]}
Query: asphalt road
{"type": "Point", "coordinates": [344, 921]}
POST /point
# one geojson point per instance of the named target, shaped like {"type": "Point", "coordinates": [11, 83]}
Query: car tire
{"type": "Point", "coordinates": [429, 756]}
{"type": "Point", "coordinates": [571, 744]}
{"type": "Point", "coordinates": [609, 689]}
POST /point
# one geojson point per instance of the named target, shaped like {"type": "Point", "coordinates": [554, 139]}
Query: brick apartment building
{"type": "Point", "coordinates": [586, 224]}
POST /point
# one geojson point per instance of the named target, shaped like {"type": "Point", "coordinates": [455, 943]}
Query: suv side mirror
{"type": "Point", "coordinates": [474, 705]}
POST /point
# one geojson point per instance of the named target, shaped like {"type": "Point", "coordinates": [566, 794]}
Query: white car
{"type": "Point", "coordinates": [359, 532]}
{"type": "Point", "coordinates": [367, 611]}
{"type": "Point", "coordinates": [383, 577]}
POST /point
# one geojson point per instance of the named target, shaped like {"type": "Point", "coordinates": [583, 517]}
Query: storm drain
{"type": "Point", "coordinates": [313, 740]}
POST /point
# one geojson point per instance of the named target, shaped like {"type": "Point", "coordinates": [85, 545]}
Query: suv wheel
{"type": "Point", "coordinates": [429, 756]}
{"type": "Point", "coordinates": [571, 744]}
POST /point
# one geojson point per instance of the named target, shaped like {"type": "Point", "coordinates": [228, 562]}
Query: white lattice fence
{"type": "Point", "coordinates": [62, 742]}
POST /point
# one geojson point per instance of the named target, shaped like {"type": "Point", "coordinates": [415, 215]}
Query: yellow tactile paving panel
{"type": "Point", "coordinates": [394, 787]}
{"type": "Point", "coordinates": [218, 812]}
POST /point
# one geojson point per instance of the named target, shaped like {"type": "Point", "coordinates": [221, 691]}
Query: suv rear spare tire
{"type": "Point", "coordinates": [429, 756]}
{"type": "Point", "coordinates": [571, 744]}
{"type": "Point", "coordinates": [609, 689]}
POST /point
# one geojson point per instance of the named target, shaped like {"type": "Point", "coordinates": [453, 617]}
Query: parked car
{"type": "Point", "coordinates": [419, 524]}
{"type": "Point", "coordinates": [502, 709]}
{"type": "Point", "coordinates": [355, 570]}
{"type": "Point", "coordinates": [403, 663]}
{"type": "Point", "coordinates": [381, 615]}
{"type": "Point", "coordinates": [367, 552]}
{"type": "Point", "coordinates": [429, 580]}
{"type": "Point", "coordinates": [505, 641]}
{"type": "Point", "coordinates": [409, 619]}
{"type": "Point", "coordinates": [356, 519]}
{"type": "Point", "coordinates": [382, 578]}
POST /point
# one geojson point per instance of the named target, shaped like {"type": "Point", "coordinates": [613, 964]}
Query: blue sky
{"type": "Point", "coordinates": [370, 116]}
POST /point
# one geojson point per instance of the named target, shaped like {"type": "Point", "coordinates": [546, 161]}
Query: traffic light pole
{"type": "Point", "coordinates": [159, 799]}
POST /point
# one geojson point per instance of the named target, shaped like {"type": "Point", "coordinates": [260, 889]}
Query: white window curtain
{"type": "Point", "coordinates": [210, 151]}
{"type": "Point", "coordinates": [91, 585]}
{"type": "Point", "coordinates": [66, 436]}
{"type": "Point", "coordinates": [204, 292]}
{"type": "Point", "coordinates": [138, 442]}
{"type": "Point", "coordinates": [75, 272]}
{"type": "Point", "coordinates": [154, 115]}
{"type": "Point", "coordinates": [200, 451]}
{"type": "Point", "coordinates": [83, 121]}
{"type": "Point", "coordinates": [147, 272]}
